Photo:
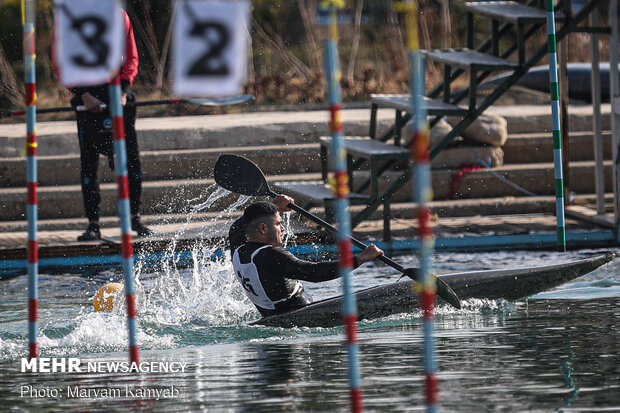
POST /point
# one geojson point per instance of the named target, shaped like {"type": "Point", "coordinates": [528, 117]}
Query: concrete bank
{"type": "Point", "coordinates": [198, 132]}
{"type": "Point", "coordinates": [178, 155]}
{"type": "Point", "coordinates": [262, 128]}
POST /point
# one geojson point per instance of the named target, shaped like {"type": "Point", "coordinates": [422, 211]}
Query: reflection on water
{"type": "Point", "coordinates": [557, 351]}
{"type": "Point", "coordinates": [540, 356]}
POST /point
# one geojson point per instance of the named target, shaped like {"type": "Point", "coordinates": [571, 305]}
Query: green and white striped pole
{"type": "Point", "coordinates": [555, 114]}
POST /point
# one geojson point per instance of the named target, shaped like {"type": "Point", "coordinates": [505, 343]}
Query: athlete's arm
{"type": "Point", "coordinates": [292, 267]}
{"type": "Point", "coordinates": [281, 261]}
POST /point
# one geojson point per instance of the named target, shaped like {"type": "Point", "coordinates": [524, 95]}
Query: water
{"type": "Point", "coordinates": [557, 351]}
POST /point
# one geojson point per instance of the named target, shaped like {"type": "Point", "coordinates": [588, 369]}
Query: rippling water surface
{"type": "Point", "coordinates": [557, 351]}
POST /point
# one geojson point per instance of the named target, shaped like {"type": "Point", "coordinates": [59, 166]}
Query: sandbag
{"type": "Point", "coordinates": [441, 129]}
{"type": "Point", "coordinates": [489, 129]}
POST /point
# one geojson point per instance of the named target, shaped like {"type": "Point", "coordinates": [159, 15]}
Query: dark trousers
{"type": "Point", "coordinates": [95, 137]}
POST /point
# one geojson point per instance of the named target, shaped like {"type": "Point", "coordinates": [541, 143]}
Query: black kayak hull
{"type": "Point", "coordinates": [400, 297]}
{"type": "Point", "coordinates": [579, 79]}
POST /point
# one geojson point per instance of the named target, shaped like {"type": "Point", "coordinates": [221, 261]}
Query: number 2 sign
{"type": "Point", "coordinates": [210, 47]}
{"type": "Point", "coordinates": [89, 41]}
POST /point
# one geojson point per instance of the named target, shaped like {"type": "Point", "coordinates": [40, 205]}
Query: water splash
{"type": "Point", "coordinates": [289, 234]}
{"type": "Point", "coordinates": [11, 348]}
{"type": "Point", "coordinates": [180, 296]}
{"type": "Point", "coordinates": [205, 291]}
{"type": "Point", "coordinates": [99, 332]}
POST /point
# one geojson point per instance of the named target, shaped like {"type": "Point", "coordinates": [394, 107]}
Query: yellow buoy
{"type": "Point", "coordinates": [104, 297]}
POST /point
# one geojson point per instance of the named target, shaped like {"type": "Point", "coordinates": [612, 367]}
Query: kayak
{"type": "Point", "coordinates": [400, 297]}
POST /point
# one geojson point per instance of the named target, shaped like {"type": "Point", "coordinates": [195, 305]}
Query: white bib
{"type": "Point", "coordinates": [247, 275]}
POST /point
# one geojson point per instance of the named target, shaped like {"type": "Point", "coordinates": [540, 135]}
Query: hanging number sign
{"type": "Point", "coordinates": [89, 41]}
{"type": "Point", "coordinates": [210, 47]}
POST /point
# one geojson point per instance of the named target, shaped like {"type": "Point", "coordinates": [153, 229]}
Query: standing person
{"type": "Point", "coordinates": [269, 273]}
{"type": "Point", "coordinates": [95, 137]}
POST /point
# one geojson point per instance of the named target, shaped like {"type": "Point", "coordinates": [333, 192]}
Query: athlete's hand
{"type": "Point", "coordinates": [281, 201]}
{"type": "Point", "coordinates": [92, 103]}
{"type": "Point", "coordinates": [370, 253]}
{"type": "Point", "coordinates": [123, 98]}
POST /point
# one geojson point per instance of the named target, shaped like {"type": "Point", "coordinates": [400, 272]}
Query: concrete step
{"type": "Point", "coordinates": [179, 153]}
{"type": "Point", "coordinates": [451, 217]}
{"type": "Point", "coordinates": [536, 178]}
{"type": "Point", "coordinates": [181, 196]}
{"type": "Point", "coordinates": [166, 165]}
{"type": "Point", "coordinates": [199, 163]}
{"type": "Point", "coordinates": [202, 132]}
{"type": "Point", "coordinates": [537, 118]}
{"type": "Point", "coordinates": [68, 224]}
{"type": "Point", "coordinates": [265, 128]}
{"type": "Point", "coordinates": [538, 147]}
{"type": "Point", "coordinates": [285, 159]}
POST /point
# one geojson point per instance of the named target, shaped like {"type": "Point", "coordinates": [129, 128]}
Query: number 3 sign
{"type": "Point", "coordinates": [210, 47]}
{"type": "Point", "coordinates": [89, 41]}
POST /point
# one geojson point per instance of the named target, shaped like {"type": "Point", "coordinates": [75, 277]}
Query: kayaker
{"type": "Point", "coordinates": [269, 273]}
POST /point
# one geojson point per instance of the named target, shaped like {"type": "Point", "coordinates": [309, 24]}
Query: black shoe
{"type": "Point", "coordinates": [92, 233]}
{"type": "Point", "coordinates": [137, 226]}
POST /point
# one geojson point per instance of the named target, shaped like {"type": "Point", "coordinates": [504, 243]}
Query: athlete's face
{"type": "Point", "coordinates": [275, 230]}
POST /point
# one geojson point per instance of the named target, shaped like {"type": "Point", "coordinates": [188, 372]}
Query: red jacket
{"type": "Point", "coordinates": [129, 69]}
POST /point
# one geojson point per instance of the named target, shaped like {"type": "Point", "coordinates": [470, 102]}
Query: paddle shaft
{"type": "Point", "coordinates": [333, 229]}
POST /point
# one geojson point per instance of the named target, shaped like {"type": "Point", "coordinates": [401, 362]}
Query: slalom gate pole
{"type": "Point", "coordinates": [28, 20]}
{"type": "Point", "coordinates": [341, 189]}
{"type": "Point", "coordinates": [423, 194]}
{"type": "Point", "coordinates": [557, 136]}
{"type": "Point", "coordinates": [124, 214]}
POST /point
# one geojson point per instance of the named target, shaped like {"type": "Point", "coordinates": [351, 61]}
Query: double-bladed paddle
{"type": "Point", "coordinates": [242, 176]}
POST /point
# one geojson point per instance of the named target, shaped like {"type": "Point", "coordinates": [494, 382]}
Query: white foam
{"type": "Point", "coordinates": [206, 292]}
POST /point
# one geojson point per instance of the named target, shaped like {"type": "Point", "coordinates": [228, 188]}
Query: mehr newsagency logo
{"type": "Point", "coordinates": [50, 365]}
{"type": "Point", "coordinates": [75, 365]}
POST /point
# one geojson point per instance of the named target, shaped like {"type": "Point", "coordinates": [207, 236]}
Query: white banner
{"type": "Point", "coordinates": [210, 47]}
{"type": "Point", "coordinates": [89, 41]}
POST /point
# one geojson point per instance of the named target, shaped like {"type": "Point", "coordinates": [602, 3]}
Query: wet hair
{"type": "Point", "coordinates": [256, 213]}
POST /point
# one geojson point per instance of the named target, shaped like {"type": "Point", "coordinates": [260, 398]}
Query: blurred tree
{"type": "Point", "coordinates": [151, 21]}
{"type": "Point", "coordinates": [11, 89]}
{"type": "Point", "coordinates": [357, 22]}
{"type": "Point", "coordinates": [305, 11]}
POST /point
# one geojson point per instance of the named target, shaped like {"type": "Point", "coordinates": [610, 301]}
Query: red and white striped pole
{"type": "Point", "coordinates": [28, 20]}
{"type": "Point", "coordinates": [124, 213]}
{"type": "Point", "coordinates": [423, 193]}
{"type": "Point", "coordinates": [338, 164]}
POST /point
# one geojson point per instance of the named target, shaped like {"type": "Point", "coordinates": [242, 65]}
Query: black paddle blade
{"type": "Point", "coordinates": [443, 290]}
{"type": "Point", "coordinates": [240, 175]}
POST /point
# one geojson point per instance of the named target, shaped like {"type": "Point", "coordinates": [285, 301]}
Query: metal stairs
{"type": "Point", "coordinates": [509, 20]}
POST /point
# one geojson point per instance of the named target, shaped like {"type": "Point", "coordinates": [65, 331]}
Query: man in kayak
{"type": "Point", "coordinates": [269, 273]}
